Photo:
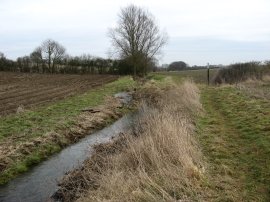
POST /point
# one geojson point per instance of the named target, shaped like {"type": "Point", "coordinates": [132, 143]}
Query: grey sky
{"type": "Point", "coordinates": [200, 31]}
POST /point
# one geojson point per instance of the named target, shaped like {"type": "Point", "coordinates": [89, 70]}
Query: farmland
{"type": "Point", "coordinates": [53, 114]}
{"type": "Point", "coordinates": [198, 76]}
{"type": "Point", "coordinates": [228, 126]}
{"type": "Point", "coordinates": [24, 91]}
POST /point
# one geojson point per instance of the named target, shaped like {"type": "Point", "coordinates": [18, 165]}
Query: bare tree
{"type": "Point", "coordinates": [2, 61]}
{"type": "Point", "coordinates": [36, 57]}
{"type": "Point", "coordinates": [137, 38]}
{"type": "Point", "coordinates": [2, 55]}
{"type": "Point", "coordinates": [52, 53]}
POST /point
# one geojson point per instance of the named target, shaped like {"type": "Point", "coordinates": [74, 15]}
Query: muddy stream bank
{"type": "Point", "coordinates": [40, 183]}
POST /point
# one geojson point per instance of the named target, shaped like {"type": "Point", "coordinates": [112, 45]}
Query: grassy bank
{"type": "Point", "coordinates": [159, 160]}
{"type": "Point", "coordinates": [235, 136]}
{"type": "Point", "coordinates": [31, 136]}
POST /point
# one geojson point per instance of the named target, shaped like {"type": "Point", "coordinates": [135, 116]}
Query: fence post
{"type": "Point", "coordinates": [208, 74]}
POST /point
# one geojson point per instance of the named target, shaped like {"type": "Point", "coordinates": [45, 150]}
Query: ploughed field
{"type": "Point", "coordinates": [23, 90]}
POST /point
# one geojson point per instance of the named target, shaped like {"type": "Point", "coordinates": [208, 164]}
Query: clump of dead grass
{"type": "Point", "coordinates": [256, 88]}
{"type": "Point", "coordinates": [159, 161]}
{"type": "Point", "coordinates": [266, 78]}
{"type": "Point", "coordinates": [20, 109]}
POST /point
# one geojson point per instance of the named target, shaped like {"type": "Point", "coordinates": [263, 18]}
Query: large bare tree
{"type": "Point", "coordinates": [52, 52]}
{"type": "Point", "coordinates": [137, 38]}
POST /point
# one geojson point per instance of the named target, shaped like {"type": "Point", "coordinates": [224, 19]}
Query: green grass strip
{"type": "Point", "coordinates": [235, 136]}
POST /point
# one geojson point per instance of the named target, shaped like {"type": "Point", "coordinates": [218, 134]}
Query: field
{"type": "Point", "coordinates": [23, 91]}
{"type": "Point", "coordinates": [198, 76]}
{"type": "Point", "coordinates": [53, 114]}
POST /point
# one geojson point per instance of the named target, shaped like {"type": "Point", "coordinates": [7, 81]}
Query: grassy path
{"type": "Point", "coordinates": [235, 137]}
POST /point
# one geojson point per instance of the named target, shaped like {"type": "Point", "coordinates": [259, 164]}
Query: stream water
{"type": "Point", "coordinates": [39, 183]}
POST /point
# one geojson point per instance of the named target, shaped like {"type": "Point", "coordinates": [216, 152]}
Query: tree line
{"type": "Point", "coordinates": [136, 39]}
{"type": "Point", "coordinates": [51, 57]}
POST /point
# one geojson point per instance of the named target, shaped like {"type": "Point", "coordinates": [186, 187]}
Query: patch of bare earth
{"type": "Point", "coordinates": [29, 90]}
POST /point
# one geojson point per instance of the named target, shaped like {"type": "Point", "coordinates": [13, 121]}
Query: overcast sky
{"type": "Point", "coordinates": [200, 31]}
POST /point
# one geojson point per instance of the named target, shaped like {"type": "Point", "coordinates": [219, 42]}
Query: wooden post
{"type": "Point", "coordinates": [208, 74]}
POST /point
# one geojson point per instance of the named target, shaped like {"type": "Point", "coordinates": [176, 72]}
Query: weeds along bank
{"type": "Point", "coordinates": [157, 160]}
{"type": "Point", "coordinates": [259, 89]}
{"type": "Point", "coordinates": [31, 136]}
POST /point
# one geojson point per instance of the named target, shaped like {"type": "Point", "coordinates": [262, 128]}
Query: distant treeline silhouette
{"type": "Point", "coordinates": [51, 57]}
{"type": "Point", "coordinates": [84, 64]}
{"type": "Point", "coordinates": [239, 72]}
{"type": "Point", "coordinates": [182, 66]}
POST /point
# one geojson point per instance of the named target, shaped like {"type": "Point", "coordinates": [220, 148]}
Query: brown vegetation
{"type": "Point", "coordinates": [21, 91]}
{"type": "Point", "coordinates": [240, 72]}
{"type": "Point", "coordinates": [159, 160]}
{"type": "Point", "coordinates": [12, 150]}
{"type": "Point", "coordinates": [256, 88]}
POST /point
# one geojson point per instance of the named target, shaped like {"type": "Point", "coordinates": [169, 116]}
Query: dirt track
{"type": "Point", "coordinates": [28, 90]}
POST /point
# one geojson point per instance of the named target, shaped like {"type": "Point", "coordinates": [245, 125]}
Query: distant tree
{"type": "Point", "coordinates": [177, 66]}
{"type": "Point", "coordinates": [52, 53]}
{"type": "Point", "coordinates": [19, 64]}
{"type": "Point", "coordinates": [137, 38]}
{"type": "Point", "coordinates": [26, 63]}
{"type": "Point", "coordinates": [123, 67]}
{"type": "Point", "coordinates": [153, 65]}
{"type": "Point", "coordinates": [36, 58]}
{"type": "Point", "coordinates": [73, 65]}
{"type": "Point", "coordinates": [267, 67]}
{"type": "Point", "coordinates": [23, 63]}
{"type": "Point", "coordinates": [2, 55]}
{"type": "Point", "coordinates": [85, 61]}
{"type": "Point", "coordinates": [2, 61]}
{"type": "Point", "coordinates": [100, 64]}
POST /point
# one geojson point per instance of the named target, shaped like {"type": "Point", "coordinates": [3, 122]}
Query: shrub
{"type": "Point", "coordinates": [240, 72]}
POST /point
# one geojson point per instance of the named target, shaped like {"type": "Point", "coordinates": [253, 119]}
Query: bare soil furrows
{"type": "Point", "coordinates": [29, 90]}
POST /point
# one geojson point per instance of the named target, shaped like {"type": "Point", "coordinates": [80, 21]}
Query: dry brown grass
{"type": "Point", "coordinates": [266, 78]}
{"type": "Point", "coordinates": [160, 161]}
{"type": "Point", "coordinates": [256, 88]}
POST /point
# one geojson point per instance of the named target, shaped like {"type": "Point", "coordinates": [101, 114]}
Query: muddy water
{"type": "Point", "coordinates": [41, 182]}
